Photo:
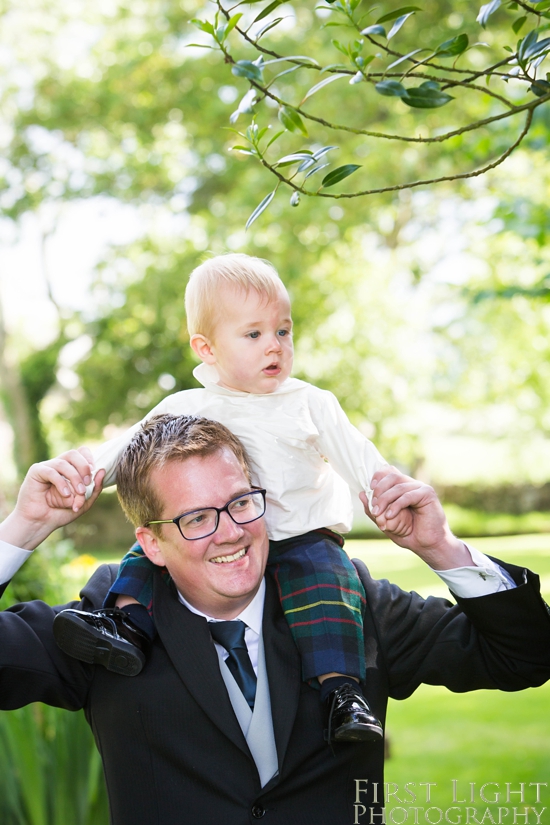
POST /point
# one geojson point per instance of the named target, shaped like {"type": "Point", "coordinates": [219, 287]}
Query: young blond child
{"type": "Point", "coordinates": [302, 449]}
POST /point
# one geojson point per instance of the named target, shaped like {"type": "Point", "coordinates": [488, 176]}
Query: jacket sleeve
{"type": "Point", "coordinates": [32, 667]}
{"type": "Point", "coordinates": [499, 641]}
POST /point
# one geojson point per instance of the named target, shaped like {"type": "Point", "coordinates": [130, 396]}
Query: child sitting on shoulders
{"type": "Point", "coordinates": [307, 455]}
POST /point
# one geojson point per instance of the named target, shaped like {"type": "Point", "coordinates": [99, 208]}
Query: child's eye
{"type": "Point", "coordinates": [253, 335]}
{"type": "Point", "coordinates": [283, 332]}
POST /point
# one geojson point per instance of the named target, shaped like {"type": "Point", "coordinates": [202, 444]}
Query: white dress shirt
{"type": "Point", "coordinates": [252, 616]}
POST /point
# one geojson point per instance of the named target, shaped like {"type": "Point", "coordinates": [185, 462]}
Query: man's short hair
{"type": "Point", "coordinates": [162, 439]}
{"type": "Point", "coordinates": [240, 271]}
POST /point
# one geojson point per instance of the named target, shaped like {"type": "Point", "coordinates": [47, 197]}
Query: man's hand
{"type": "Point", "coordinates": [409, 513]}
{"type": "Point", "coordinates": [52, 495]}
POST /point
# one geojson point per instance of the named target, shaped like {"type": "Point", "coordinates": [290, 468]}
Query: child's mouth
{"type": "Point", "coordinates": [273, 369]}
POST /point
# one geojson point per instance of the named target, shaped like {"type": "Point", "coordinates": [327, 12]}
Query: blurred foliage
{"type": "Point", "coordinates": [110, 100]}
{"type": "Point", "coordinates": [41, 576]}
{"type": "Point", "coordinates": [482, 84]}
{"type": "Point", "coordinates": [50, 769]}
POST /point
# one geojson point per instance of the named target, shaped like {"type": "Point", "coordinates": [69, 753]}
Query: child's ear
{"type": "Point", "coordinates": [202, 346]}
{"type": "Point", "coordinates": [149, 543]}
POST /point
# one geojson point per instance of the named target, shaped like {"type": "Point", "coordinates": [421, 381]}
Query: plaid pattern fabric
{"type": "Point", "coordinates": [135, 578]}
{"type": "Point", "coordinates": [323, 601]}
{"type": "Point", "coordinates": [320, 592]}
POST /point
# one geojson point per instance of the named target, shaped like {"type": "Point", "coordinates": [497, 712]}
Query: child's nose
{"type": "Point", "coordinates": [274, 344]}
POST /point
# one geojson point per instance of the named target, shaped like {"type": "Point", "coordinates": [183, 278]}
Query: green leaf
{"type": "Point", "coordinates": [375, 30]}
{"type": "Point", "coordinates": [340, 47]}
{"type": "Point", "coordinates": [266, 28]}
{"type": "Point", "coordinates": [320, 152]}
{"type": "Point", "coordinates": [231, 24]}
{"type": "Point", "coordinates": [401, 59]}
{"type": "Point", "coordinates": [538, 49]}
{"type": "Point", "coordinates": [291, 120]}
{"type": "Point", "coordinates": [245, 68]}
{"type": "Point", "coordinates": [456, 45]}
{"type": "Point", "coordinates": [244, 150]}
{"type": "Point", "coordinates": [393, 15]}
{"type": "Point", "coordinates": [336, 67]}
{"type": "Point", "coordinates": [317, 169]}
{"type": "Point", "coordinates": [275, 137]}
{"type": "Point", "coordinates": [339, 174]}
{"type": "Point", "coordinates": [390, 88]}
{"type": "Point", "coordinates": [304, 60]}
{"type": "Point", "coordinates": [361, 61]}
{"type": "Point", "coordinates": [525, 44]}
{"type": "Point", "coordinates": [426, 96]}
{"type": "Point", "coordinates": [397, 25]}
{"type": "Point", "coordinates": [245, 106]}
{"type": "Point", "coordinates": [540, 88]}
{"type": "Point", "coordinates": [518, 24]}
{"type": "Point", "coordinates": [297, 157]}
{"type": "Point", "coordinates": [204, 26]}
{"type": "Point", "coordinates": [486, 11]}
{"type": "Point", "coordinates": [268, 10]}
{"type": "Point", "coordinates": [321, 84]}
{"type": "Point", "coordinates": [260, 208]}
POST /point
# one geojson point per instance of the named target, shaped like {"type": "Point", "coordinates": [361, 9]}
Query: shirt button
{"type": "Point", "coordinates": [258, 811]}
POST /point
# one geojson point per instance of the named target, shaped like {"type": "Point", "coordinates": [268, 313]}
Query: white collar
{"type": "Point", "coordinates": [207, 375]}
{"type": "Point", "coordinates": [251, 615]}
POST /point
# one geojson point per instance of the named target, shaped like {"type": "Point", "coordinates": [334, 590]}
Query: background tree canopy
{"type": "Point", "coordinates": [424, 310]}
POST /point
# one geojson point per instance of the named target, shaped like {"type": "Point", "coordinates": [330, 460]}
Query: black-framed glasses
{"type": "Point", "coordinates": [198, 524]}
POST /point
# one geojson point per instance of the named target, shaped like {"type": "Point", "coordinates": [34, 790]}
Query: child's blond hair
{"type": "Point", "coordinates": [202, 295]}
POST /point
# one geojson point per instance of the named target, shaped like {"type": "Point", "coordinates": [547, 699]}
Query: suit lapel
{"type": "Point", "coordinates": [189, 645]}
{"type": "Point", "coordinates": [284, 669]}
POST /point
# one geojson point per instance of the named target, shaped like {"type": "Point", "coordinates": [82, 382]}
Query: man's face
{"type": "Point", "coordinates": [252, 341]}
{"type": "Point", "coordinates": [220, 574]}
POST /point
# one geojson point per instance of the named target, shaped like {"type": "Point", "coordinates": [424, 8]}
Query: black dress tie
{"type": "Point", "coordinates": [230, 635]}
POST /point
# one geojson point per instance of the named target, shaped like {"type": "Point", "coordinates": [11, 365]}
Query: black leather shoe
{"type": "Point", "coordinates": [350, 718]}
{"type": "Point", "coordinates": [104, 637]}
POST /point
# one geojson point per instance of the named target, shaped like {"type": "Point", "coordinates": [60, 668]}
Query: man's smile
{"type": "Point", "coordinates": [233, 557]}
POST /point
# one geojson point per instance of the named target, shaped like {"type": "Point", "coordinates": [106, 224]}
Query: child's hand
{"type": "Point", "coordinates": [409, 512]}
{"type": "Point", "coordinates": [52, 495]}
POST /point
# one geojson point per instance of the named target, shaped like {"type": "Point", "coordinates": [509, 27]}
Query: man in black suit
{"type": "Point", "coordinates": [179, 743]}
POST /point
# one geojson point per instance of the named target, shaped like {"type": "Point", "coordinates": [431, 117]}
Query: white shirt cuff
{"type": "Point", "coordinates": [11, 559]}
{"type": "Point", "coordinates": [470, 582]}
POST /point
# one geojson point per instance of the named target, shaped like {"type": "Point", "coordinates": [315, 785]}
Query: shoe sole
{"type": "Point", "coordinates": [86, 643]}
{"type": "Point", "coordinates": [353, 732]}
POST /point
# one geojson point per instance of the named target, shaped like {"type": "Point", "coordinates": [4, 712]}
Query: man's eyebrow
{"type": "Point", "coordinates": [242, 492]}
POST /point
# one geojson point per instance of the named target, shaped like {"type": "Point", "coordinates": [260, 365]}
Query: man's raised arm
{"type": "Point", "coordinates": [410, 513]}
{"type": "Point", "coordinates": [51, 496]}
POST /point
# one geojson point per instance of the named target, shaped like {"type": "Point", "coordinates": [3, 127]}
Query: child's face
{"type": "Point", "coordinates": [252, 342]}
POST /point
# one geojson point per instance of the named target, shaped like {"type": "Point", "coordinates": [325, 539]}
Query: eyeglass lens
{"type": "Point", "coordinates": [201, 523]}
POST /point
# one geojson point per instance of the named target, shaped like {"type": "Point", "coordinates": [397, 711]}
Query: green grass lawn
{"type": "Point", "coordinates": [481, 737]}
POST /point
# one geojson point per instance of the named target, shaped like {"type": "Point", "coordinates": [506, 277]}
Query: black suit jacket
{"type": "Point", "coordinates": [172, 749]}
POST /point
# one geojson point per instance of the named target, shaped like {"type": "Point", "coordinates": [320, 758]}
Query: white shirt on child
{"type": "Point", "coordinates": [305, 452]}
{"type": "Point", "coordinates": [301, 446]}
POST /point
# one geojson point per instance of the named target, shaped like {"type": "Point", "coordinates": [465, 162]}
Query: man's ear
{"type": "Point", "coordinates": [149, 543]}
{"type": "Point", "coordinates": [202, 346]}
